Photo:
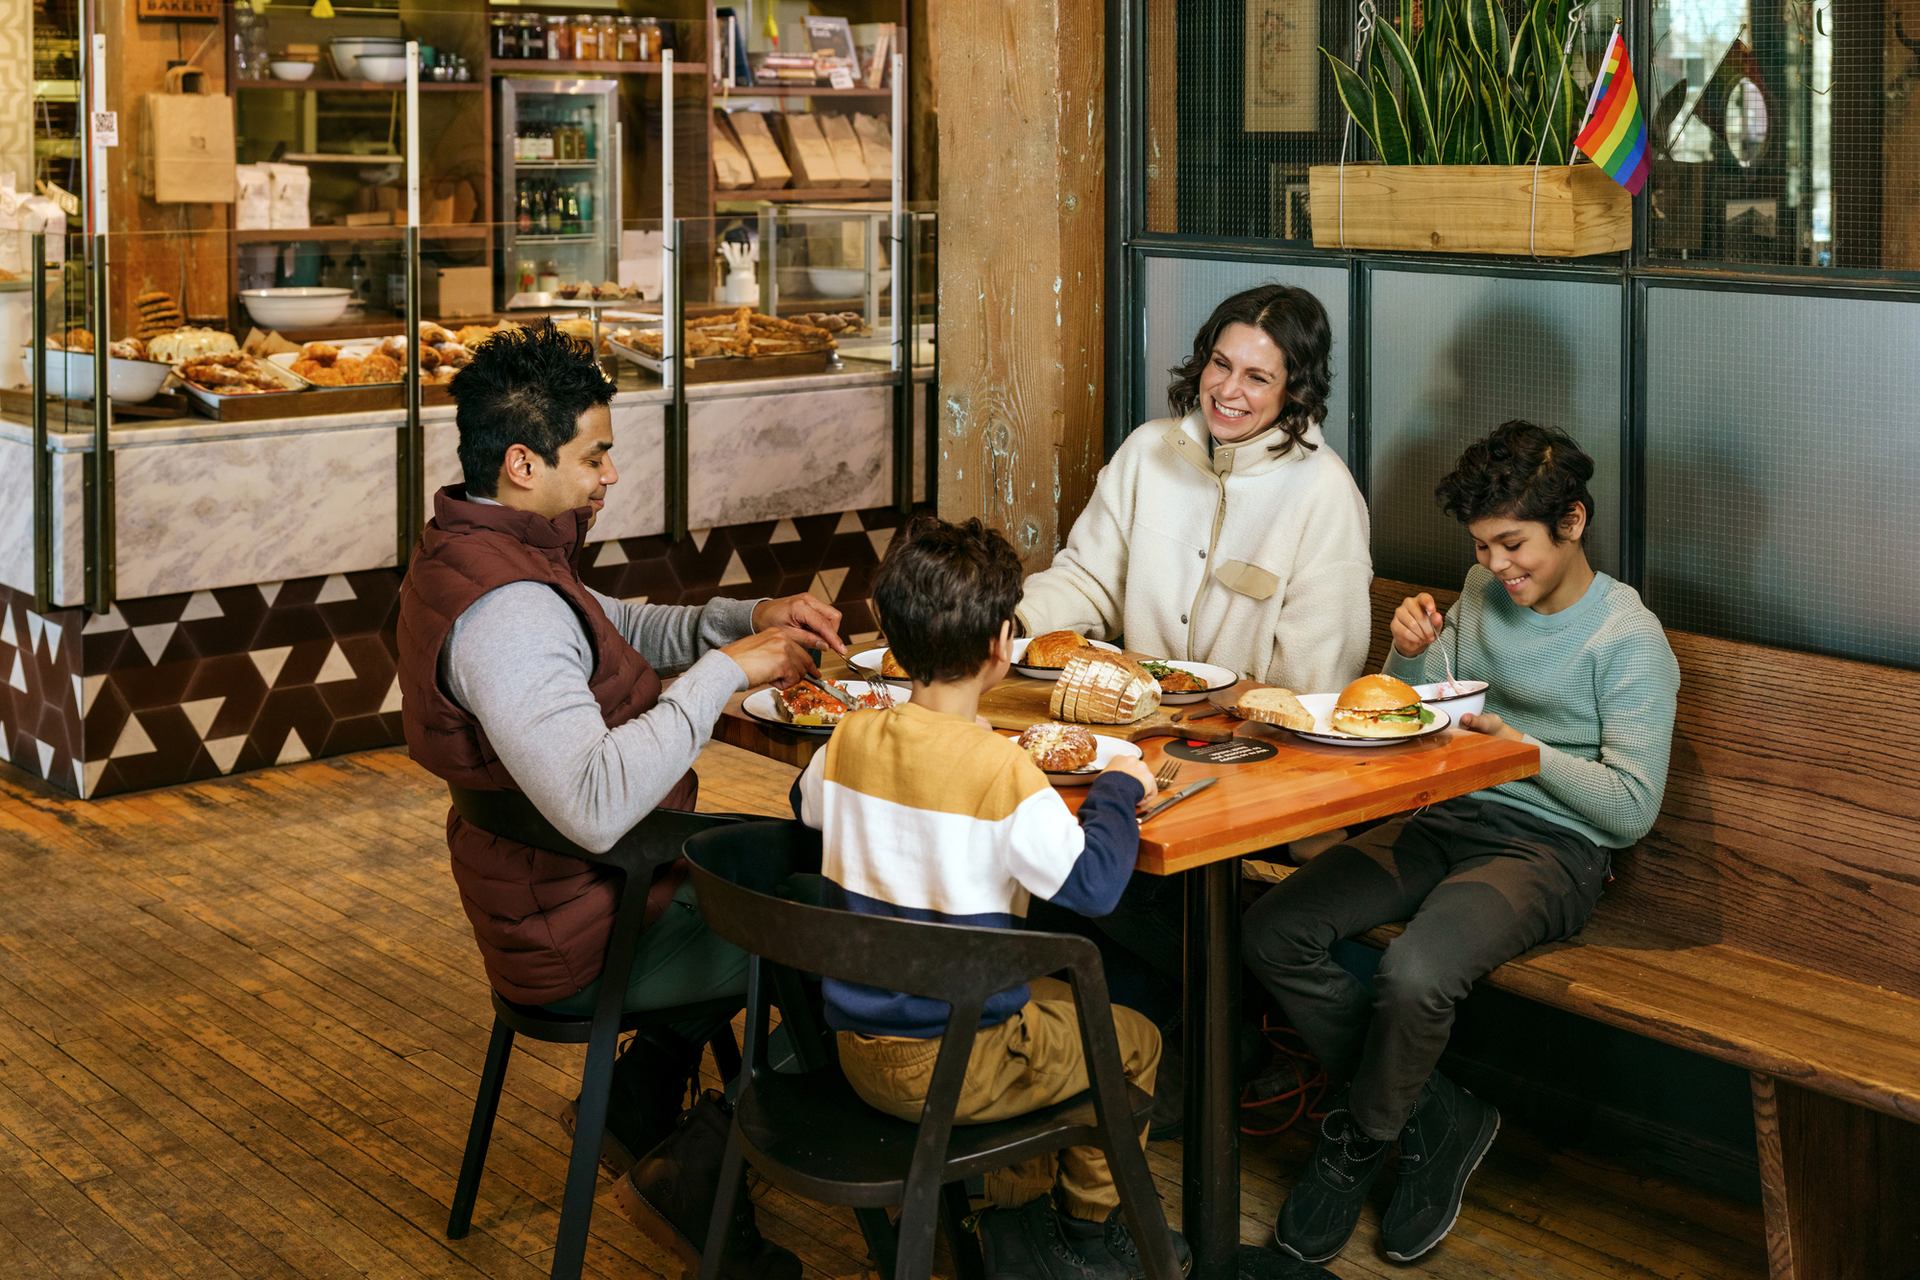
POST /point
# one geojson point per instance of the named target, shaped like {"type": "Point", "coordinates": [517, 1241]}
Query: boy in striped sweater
{"type": "Point", "coordinates": [928, 814]}
{"type": "Point", "coordinates": [1578, 667]}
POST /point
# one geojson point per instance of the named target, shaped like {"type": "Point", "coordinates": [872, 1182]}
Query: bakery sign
{"type": "Point", "coordinates": [174, 10]}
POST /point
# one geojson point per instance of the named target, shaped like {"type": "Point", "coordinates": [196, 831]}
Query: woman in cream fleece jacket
{"type": "Point", "coordinates": [1231, 535]}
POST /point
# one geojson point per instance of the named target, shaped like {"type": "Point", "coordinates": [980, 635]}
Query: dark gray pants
{"type": "Point", "coordinates": [1478, 883]}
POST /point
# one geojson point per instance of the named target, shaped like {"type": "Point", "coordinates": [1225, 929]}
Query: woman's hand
{"type": "Point", "coordinates": [1416, 625]}
{"type": "Point", "coordinates": [816, 620]}
{"type": "Point", "coordinates": [1492, 725]}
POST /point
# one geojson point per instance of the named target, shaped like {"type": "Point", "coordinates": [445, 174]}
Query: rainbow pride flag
{"type": "Point", "coordinates": [1614, 134]}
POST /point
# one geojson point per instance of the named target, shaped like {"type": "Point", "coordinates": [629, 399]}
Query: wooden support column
{"type": "Point", "coordinates": [1837, 1181]}
{"type": "Point", "coordinates": [1022, 232]}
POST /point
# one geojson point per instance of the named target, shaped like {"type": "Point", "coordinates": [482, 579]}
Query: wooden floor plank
{"type": "Point", "coordinates": [251, 1009]}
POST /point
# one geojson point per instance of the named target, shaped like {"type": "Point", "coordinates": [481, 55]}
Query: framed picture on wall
{"type": "Point", "coordinates": [1281, 71]}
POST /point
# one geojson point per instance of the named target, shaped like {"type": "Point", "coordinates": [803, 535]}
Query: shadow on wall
{"type": "Point", "coordinates": [1503, 362]}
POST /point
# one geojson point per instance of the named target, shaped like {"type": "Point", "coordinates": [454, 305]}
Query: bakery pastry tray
{"type": "Point", "coordinates": [733, 368]}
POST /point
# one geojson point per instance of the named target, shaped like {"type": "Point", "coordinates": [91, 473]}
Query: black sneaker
{"type": "Point", "coordinates": [1442, 1145]}
{"type": "Point", "coordinates": [1028, 1244]}
{"type": "Point", "coordinates": [1324, 1206]}
{"type": "Point", "coordinates": [1111, 1250]}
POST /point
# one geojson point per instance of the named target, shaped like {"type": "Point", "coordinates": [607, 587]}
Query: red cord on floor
{"type": "Point", "coordinates": [1295, 1084]}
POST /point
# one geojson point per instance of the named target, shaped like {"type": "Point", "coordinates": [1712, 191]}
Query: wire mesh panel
{"type": "Point", "coordinates": [1181, 293]}
{"type": "Point", "coordinates": [1454, 356]}
{"type": "Point", "coordinates": [1786, 133]}
{"type": "Point", "coordinates": [1781, 470]}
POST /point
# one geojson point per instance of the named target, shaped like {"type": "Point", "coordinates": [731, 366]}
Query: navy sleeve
{"type": "Point", "coordinates": [1112, 831]}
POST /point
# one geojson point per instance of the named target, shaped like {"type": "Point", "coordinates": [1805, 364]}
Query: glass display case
{"type": "Point", "coordinates": [559, 150]}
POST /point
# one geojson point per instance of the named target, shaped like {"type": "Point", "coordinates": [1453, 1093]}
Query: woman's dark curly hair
{"type": "Point", "coordinates": [1297, 323]}
{"type": "Point", "coordinates": [1521, 470]}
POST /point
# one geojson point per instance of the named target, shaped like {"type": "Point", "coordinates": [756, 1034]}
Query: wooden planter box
{"type": "Point", "coordinates": [1471, 209]}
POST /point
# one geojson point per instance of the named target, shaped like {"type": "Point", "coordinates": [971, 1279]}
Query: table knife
{"type": "Point", "coordinates": [1179, 795]}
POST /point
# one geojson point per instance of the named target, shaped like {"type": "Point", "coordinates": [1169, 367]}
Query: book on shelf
{"type": "Point", "coordinates": [879, 37]}
{"type": "Point", "coordinates": [735, 68]}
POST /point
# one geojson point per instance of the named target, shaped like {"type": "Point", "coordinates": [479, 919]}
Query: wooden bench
{"type": "Point", "coordinates": [1772, 920]}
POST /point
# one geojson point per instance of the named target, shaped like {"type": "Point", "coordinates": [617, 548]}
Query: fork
{"type": "Point", "coordinates": [1163, 776]}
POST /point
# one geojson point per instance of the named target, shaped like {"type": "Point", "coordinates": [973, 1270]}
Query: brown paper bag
{"type": "Point", "coordinates": [807, 150]}
{"type": "Point", "coordinates": [769, 167]}
{"type": "Point", "coordinates": [186, 143]}
{"type": "Point", "coordinates": [838, 131]}
{"type": "Point", "coordinates": [876, 147]}
{"type": "Point", "coordinates": [731, 172]}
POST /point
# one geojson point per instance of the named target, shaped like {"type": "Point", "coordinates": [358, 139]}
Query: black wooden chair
{"type": "Point", "coordinates": [810, 1134]}
{"type": "Point", "coordinates": [656, 840]}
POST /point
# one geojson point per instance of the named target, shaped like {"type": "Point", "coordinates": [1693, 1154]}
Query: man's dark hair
{"type": "Point", "coordinates": [942, 594]}
{"type": "Point", "coordinates": [525, 386]}
{"type": "Point", "coordinates": [1522, 470]}
{"type": "Point", "coordinates": [1297, 323]}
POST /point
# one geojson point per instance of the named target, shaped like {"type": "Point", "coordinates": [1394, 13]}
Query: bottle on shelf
{"type": "Point", "coordinates": [525, 277]}
{"type": "Point", "coordinates": [549, 276]}
{"type": "Point", "coordinates": [523, 210]}
{"type": "Point", "coordinates": [572, 219]}
{"type": "Point", "coordinates": [542, 224]}
{"type": "Point", "coordinates": [627, 38]}
{"type": "Point", "coordinates": [358, 280]}
{"type": "Point", "coordinates": [586, 206]}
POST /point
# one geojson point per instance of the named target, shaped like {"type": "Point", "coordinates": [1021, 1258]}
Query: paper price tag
{"type": "Point", "coordinates": [840, 78]}
{"type": "Point", "coordinates": [106, 128]}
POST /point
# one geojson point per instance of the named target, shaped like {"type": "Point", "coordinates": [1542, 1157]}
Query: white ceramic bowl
{"type": "Point", "coordinates": [291, 70]}
{"type": "Point", "coordinates": [1467, 698]}
{"type": "Point", "coordinates": [70, 376]}
{"type": "Point", "coordinates": [837, 282]}
{"type": "Point", "coordinates": [295, 308]}
{"type": "Point", "coordinates": [384, 68]}
{"type": "Point", "coordinates": [347, 51]}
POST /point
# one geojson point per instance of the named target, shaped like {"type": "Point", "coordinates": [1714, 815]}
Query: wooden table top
{"type": "Point", "coordinates": [1304, 790]}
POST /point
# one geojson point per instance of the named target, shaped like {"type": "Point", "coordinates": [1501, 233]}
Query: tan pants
{"type": "Point", "coordinates": [1031, 1060]}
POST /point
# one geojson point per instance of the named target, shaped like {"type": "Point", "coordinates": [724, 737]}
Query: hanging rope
{"type": "Point", "coordinates": [1575, 18]}
{"type": "Point", "coordinates": [1362, 32]}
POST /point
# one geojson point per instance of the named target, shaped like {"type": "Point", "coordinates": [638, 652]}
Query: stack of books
{"type": "Point", "coordinates": [786, 68]}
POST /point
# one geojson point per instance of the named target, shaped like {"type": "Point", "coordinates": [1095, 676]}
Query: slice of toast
{"type": "Point", "coordinates": [1274, 706]}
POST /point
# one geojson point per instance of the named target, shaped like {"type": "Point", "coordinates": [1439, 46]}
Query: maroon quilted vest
{"type": "Point", "coordinates": [541, 918]}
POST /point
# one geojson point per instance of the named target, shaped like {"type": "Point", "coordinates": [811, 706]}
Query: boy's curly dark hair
{"type": "Point", "coordinates": [942, 593]}
{"type": "Point", "coordinates": [1523, 470]}
{"type": "Point", "coordinates": [1297, 323]}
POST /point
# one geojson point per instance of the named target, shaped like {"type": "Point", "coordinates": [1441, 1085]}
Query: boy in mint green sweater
{"type": "Point", "coordinates": [1576, 666]}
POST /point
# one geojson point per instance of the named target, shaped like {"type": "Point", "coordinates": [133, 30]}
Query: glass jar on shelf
{"type": "Point", "coordinates": [533, 36]}
{"type": "Point", "coordinates": [549, 281]}
{"type": "Point", "coordinates": [586, 38]}
{"type": "Point", "coordinates": [627, 39]}
{"type": "Point", "coordinates": [609, 37]}
{"type": "Point", "coordinates": [559, 38]}
{"type": "Point", "coordinates": [650, 40]}
{"type": "Point", "coordinates": [503, 36]}
{"type": "Point", "coordinates": [526, 278]}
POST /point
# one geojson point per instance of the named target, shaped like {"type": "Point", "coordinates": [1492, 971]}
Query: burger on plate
{"type": "Point", "coordinates": [1379, 707]}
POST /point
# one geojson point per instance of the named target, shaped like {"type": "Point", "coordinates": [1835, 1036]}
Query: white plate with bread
{"type": "Point", "coordinates": [879, 662]}
{"type": "Point", "coordinates": [1313, 715]}
{"type": "Point", "coordinates": [1071, 755]}
{"type": "Point", "coordinates": [1044, 656]}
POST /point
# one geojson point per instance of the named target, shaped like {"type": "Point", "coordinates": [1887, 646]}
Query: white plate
{"type": "Point", "coordinates": [1320, 707]}
{"type": "Point", "coordinates": [760, 705]}
{"type": "Point", "coordinates": [1105, 751]}
{"type": "Point", "coordinates": [1217, 678]}
{"type": "Point", "coordinates": [868, 661]}
{"type": "Point", "coordinates": [1048, 673]}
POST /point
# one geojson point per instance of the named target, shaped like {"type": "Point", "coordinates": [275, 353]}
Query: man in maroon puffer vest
{"type": "Point", "coordinates": [516, 676]}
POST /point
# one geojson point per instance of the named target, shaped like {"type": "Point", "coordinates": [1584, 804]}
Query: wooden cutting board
{"type": "Point", "coordinates": [1018, 702]}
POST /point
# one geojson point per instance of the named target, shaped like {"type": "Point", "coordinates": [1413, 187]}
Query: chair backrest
{"type": "Point", "coordinates": [736, 868]}
{"type": "Point", "coordinates": [1788, 823]}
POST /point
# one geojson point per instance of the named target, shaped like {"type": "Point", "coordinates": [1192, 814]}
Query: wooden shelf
{"type": "Point", "coordinates": [361, 86]}
{"type": "Point", "coordinates": [286, 235]}
{"type": "Point", "coordinates": [807, 194]}
{"type": "Point", "coordinates": [796, 91]}
{"type": "Point", "coordinates": [540, 66]}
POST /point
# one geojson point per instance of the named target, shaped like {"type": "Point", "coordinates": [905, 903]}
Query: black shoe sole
{"type": "Point", "coordinates": [1292, 1252]}
{"type": "Point", "coordinates": [615, 1160]}
{"type": "Point", "coordinates": [1483, 1145]}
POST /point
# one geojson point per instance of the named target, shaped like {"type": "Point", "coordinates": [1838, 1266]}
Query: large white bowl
{"type": "Point", "coordinates": [1467, 698]}
{"type": "Point", "coordinates": [70, 376]}
{"type": "Point", "coordinates": [347, 50]}
{"type": "Point", "coordinates": [295, 308]}
{"type": "Point", "coordinates": [291, 70]}
{"type": "Point", "coordinates": [837, 282]}
{"type": "Point", "coordinates": [382, 67]}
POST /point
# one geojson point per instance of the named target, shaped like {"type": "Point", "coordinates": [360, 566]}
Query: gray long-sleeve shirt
{"type": "Point", "coordinates": [519, 661]}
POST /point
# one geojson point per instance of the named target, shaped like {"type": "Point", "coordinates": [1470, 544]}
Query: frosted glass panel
{"type": "Point", "coordinates": [1179, 294]}
{"type": "Point", "coordinates": [1452, 357]}
{"type": "Point", "coordinates": [1782, 469]}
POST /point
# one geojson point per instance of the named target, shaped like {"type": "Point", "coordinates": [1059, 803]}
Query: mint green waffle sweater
{"type": "Point", "coordinates": [1592, 686]}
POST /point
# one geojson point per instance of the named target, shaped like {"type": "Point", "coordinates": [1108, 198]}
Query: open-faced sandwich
{"type": "Point", "coordinates": [803, 704]}
{"type": "Point", "coordinates": [1053, 648]}
{"type": "Point", "coordinates": [1172, 679]}
{"type": "Point", "coordinates": [1379, 707]}
{"type": "Point", "coordinates": [1058, 748]}
{"type": "Point", "coordinates": [1274, 705]}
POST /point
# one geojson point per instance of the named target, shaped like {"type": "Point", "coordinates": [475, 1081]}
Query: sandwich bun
{"type": "Point", "coordinates": [1362, 704]}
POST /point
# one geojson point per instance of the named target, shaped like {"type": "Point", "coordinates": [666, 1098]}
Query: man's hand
{"type": "Point", "coordinates": [817, 621]}
{"type": "Point", "coordinates": [1133, 768]}
{"type": "Point", "coordinates": [772, 657]}
{"type": "Point", "coordinates": [1492, 725]}
{"type": "Point", "coordinates": [1416, 625]}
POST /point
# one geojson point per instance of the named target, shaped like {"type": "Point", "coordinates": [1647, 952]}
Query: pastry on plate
{"type": "Point", "coordinates": [1273, 705]}
{"type": "Point", "coordinates": [1052, 649]}
{"type": "Point", "coordinates": [1058, 748]}
{"type": "Point", "coordinates": [890, 667]}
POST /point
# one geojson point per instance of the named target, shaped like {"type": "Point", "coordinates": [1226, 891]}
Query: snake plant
{"type": "Point", "coordinates": [1457, 82]}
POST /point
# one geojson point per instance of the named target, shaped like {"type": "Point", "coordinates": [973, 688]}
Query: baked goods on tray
{"type": "Point", "coordinates": [1098, 687]}
{"type": "Point", "coordinates": [232, 374]}
{"type": "Point", "coordinates": [159, 313]}
{"type": "Point", "coordinates": [1274, 706]}
{"type": "Point", "coordinates": [189, 344]}
{"type": "Point", "coordinates": [1053, 648]}
{"type": "Point", "coordinates": [1058, 748]}
{"type": "Point", "coordinates": [744, 333]}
